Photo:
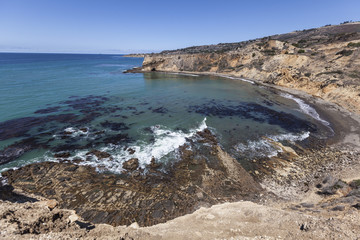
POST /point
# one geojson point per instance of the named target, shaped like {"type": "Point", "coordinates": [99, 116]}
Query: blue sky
{"type": "Point", "coordinates": [110, 26]}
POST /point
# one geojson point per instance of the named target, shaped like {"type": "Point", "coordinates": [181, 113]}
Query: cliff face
{"type": "Point", "coordinates": [324, 62]}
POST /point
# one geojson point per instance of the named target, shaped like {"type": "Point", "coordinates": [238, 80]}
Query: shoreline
{"type": "Point", "coordinates": [278, 204]}
{"type": "Point", "coordinates": [336, 113]}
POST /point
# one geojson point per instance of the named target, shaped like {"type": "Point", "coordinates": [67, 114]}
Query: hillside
{"type": "Point", "coordinates": [323, 62]}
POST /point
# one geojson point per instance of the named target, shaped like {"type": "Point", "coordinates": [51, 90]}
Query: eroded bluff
{"type": "Point", "coordinates": [323, 62]}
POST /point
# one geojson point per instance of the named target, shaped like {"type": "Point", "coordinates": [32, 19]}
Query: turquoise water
{"type": "Point", "coordinates": [56, 103]}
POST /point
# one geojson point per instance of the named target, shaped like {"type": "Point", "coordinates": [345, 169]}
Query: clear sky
{"type": "Point", "coordinates": [116, 26]}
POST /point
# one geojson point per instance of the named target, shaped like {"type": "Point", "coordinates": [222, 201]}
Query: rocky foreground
{"type": "Point", "coordinates": [322, 202]}
{"type": "Point", "coordinates": [205, 176]}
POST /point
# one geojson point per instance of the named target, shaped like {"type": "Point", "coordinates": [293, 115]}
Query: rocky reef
{"type": "Point", "coordinates": [323, 62]}
{"type": "Point", "coordinates": [204, 176]}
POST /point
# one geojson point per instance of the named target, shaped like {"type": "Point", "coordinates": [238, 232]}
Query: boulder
{"type": "Point", "coordinates": [131, 164]}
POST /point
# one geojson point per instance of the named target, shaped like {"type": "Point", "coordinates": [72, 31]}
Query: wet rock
{"type": "Point", "coordinates": [207, 136]}
{"type": "Point", "coordinates": [131, 151]}
{"type": "Point", "coordinates": [99, 154]}
{"type": "Point", "coordinates": [153, 165]}
{"type": "Point", "coordinates": [131, 164]}
{"type": "Point", "coordinates": [62, 155]}
{"type": "Point", "coordinates": [99, 132]}
{"type": "Point", "coordinates": [83, 130]}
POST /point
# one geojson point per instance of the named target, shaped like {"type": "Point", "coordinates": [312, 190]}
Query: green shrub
{"type": "Point", "coordinates": [332, 72]}
{"type": "Point", "coordinates": [345, 52]}
{"type": "Point", "coordinates": [269, 52]}
{"type": "Point", "coordinates": [253, 55]}
{"type": "Point", "coordinates": [355, 183]}
{"type": "Point", "coordinates": [301, 51]}
{"type": "Point", "coordinates": [354, 44]}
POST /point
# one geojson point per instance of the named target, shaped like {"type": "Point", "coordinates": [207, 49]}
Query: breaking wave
{"type": "Point", "coordinates": [166, 141]}
{"type": "Point", "coordinates": [305, 108]}
{"type": "Point", "coordinates": [265, 147]}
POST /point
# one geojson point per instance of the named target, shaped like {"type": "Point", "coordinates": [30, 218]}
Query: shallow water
{"type": "Point", "coordinates": [66, 102]}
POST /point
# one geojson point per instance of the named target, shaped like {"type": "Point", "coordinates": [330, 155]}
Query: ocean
{"type": "Point", "coordinates": [56, 106]}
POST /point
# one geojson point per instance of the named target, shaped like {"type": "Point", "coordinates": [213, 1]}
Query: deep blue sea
{"type": "Point", "coordinates": [74, 103]}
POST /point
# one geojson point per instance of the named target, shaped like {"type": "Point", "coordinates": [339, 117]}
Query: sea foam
{"type": "Point", "coordinates": [265, 148]}
{"type": "Point", "coordinates": [166, 141]}
{"type": "Point", "coordinates": [305, 108]}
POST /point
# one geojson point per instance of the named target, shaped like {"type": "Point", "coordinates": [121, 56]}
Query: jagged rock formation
{"type": "Point", "coordinates": [323, 62]}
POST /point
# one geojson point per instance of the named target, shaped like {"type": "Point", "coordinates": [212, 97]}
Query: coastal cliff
{"type": "Point", "coordinates": [324, 62]}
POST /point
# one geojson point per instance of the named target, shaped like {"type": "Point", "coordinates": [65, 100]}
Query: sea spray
{"type": "Point", "coordinates": [166, 141]}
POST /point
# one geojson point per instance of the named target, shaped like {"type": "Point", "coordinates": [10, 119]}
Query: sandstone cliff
{"type": "Point", "coordinates": [324, 62]}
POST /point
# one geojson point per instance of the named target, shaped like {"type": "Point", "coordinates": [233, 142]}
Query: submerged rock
{"type": "Point", "coordinates": [62, 155]}
{"type": "Point", "coordinates": [114, 126]}
{"type": "Point", "coordinates": [99, 154]}
{"type": "Point", "coordinates": [18, 149]}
